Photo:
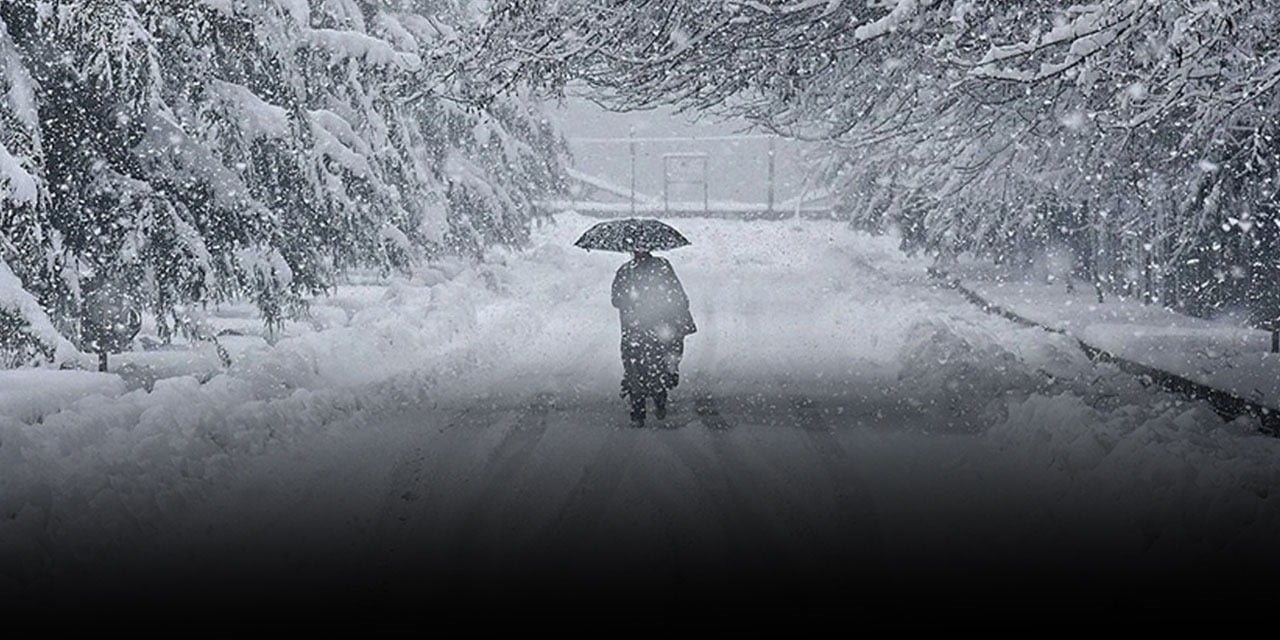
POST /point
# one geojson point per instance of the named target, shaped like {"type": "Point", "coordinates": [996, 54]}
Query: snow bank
{"type": "Point", "coordinates": [1175, 480]}
{"type": "Point", "coordinates": [1233, 359]}
{"type": "Point", "coordinates": [1166, 475]}
{"type": "Point", "coordinates": [1214, 352]}
{"type": "Point", "coordinates": [960, 375]}
{"type": "Point", "coordinates": [108, 457]}
{"type": "Point", "coordinates": [28, 395]}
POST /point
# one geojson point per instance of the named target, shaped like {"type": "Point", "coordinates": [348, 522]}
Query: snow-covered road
{"type": "Point", "coordinates": [843, 425]}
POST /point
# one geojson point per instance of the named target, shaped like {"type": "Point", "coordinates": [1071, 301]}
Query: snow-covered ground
{"type": "Point", "coordinates": [1221, 353]}
{"type": "Point", "coordinates": [839, 411]}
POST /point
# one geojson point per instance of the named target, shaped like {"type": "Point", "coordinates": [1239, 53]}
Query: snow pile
{"type": "Point", "coordinates": [27, 395]}
{"type": "Point", "coordinates": [108, 471]}
{"type": "Point", "coordinates": [1220, 353]}
{"type": "Point", "coordinates": [86, 459]}
{"type": "Point", "coordinates": [1230, 358]}
{"type": "Point", "coordinates": [959, 375]}
{"type": "Point", "coordinates": [1173, 480]}
{"type": "Point", "coordinates": [100, 459]}
{"type": "Point", "coordinates": [1084, 454]}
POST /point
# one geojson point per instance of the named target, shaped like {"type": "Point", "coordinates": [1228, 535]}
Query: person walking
{"type": "Point", "coordinates": [653, 311]}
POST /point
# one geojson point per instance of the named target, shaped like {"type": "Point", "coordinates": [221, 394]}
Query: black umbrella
{"type": "Point", "coordinates": [631, 234]}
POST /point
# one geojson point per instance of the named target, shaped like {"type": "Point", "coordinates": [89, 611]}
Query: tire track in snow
{"type": "Point", "coordinates": [728, 454]}
{"type": "Point", "coordinates": [720, 477]}
{"type": "Point", "coordinates": [595, 487]}
{"type": "Point", "coordinates": [502, 474]}
{"type": "Point", "coordinates": [857, 509]}
{"type": "Point", "coordinates": [788, 520]}
{"type": "Point", "coordinates": [404, 489]}
{"type": "Point", "coordinates": [704, 403]}
{"type": "Point", "coordinates": [754, 531]}
{"type": "Point", "coordinates": [759, 528]}
{"type": "Point", "coordinates": [708, 411]}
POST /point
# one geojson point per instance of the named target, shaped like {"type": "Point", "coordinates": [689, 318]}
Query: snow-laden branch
{"type": "Point", "coordinates": [1090, 34]}
{"type": "Point", "coordinates": [903, 11]}
{"type": "Point", "coordinates": [15, 300]}
{"type": "Point", "coordinates": [17, 185]}
{"type": "Point", "coordinates": [351, 44]}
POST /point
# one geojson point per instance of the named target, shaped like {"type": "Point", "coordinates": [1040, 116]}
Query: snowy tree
{"type": "Point", "coordinates": [188, 151]}
{"type": "Point", "coordinates": [997, 127]}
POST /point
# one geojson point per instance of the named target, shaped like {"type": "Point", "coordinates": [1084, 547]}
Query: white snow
{"type": "Point", "coordinates": [21, 96]}
{"type": "Point", "coordinates": [16, 183]}
{"type": "Point", "coordinates": [392, 27]}
{"type": "Point", "coordinates": [168, 144]}
{"type": "Point", "coordinates": [953, 419]}
{"type": "Point", "coordinates": [27, 395]}
{"type": "Point", "coordinates": [434, 224]}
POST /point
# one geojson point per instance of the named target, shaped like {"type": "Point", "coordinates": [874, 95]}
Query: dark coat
{"type": "Point", "coordinates": [650, 298]}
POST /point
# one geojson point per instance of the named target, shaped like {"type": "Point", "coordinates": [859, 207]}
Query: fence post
{"type": "Point", "coordinates": [706, 188]}
{"type": "Point", "coordinates": [631, 144]}
{"type": "Point", "coordinates": [772, 150]}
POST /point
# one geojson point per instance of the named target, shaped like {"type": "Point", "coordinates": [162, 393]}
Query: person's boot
{"type": "Point", "coordinates": [660, 406]}
{"type": "Point", "coordinates": [637, 411]}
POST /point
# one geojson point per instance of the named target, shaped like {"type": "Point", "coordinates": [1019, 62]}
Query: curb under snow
{"type": "Point", "coordinates": [1227, 404]}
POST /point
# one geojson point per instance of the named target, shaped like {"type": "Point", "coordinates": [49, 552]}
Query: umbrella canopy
{"type": "Point", "coordinates": [631, 234]}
